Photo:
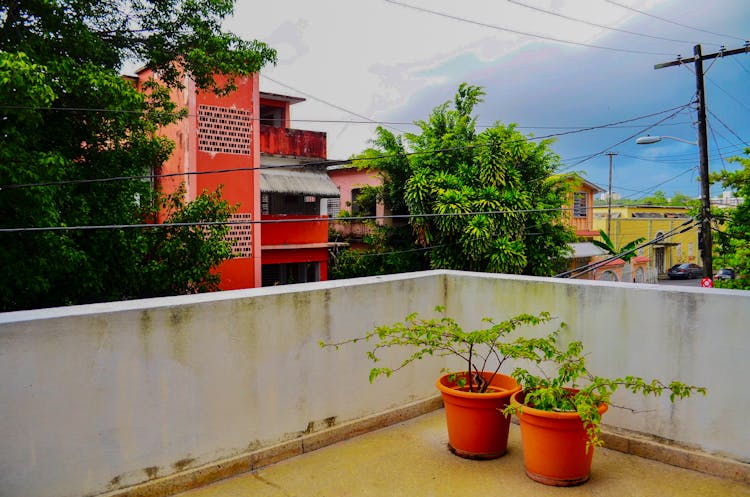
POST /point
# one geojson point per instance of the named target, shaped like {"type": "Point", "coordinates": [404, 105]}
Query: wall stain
{"type": "Point", "coordinates": [115, 482]}
{"type": "Point", "coordinates": [183, 463]}
{"type": "Point", "coordinates": [151, 472]}
{"type": "Point", "coordinates": [330, 421]}
{"type": "Point", "coordinates": [145, 330]}
{"type": "Point", "coordinates": [178, 318]}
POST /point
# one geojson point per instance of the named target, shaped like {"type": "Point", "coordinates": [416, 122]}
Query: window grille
{"type": "Point", "coordinates": [241, 235]}
{"type": "Point", "coordinates": [224, 130]}
{"type": "Point", "coordinates": [579, 204]}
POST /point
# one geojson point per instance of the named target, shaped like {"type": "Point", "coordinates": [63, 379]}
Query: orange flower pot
{"type": "Point", "coordinates": [554, 445]}
{"type": "Point", "coordinates": [477, 428]}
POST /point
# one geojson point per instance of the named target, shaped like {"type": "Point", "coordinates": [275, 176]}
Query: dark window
{"type": "Point", "coordinates": [287, 274]}
{"type": "Point", "coordinates": [580, 209]}
{"type": "Point", "coordinates": [289, 203]}
{"type": "Point", "coordinates": [362, 204]}
{"type": "Point", "coordinates": [272, 116]}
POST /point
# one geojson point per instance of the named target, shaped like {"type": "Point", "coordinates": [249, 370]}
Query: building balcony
{"type": "Point", "coordinates": [294, 229]}
{"type": "Point", "coordinates": [296, 143]}
{"type": "Point", "coordinates": [159, 396]}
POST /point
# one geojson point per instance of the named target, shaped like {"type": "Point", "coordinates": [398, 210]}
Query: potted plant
{"type": "Point", "coordinates": [560, 414]}
{"type": "Point", "coordinates": [475, 397]}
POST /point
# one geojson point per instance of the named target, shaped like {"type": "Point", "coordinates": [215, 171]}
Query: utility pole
{"type": "Point", "coordinates": [609, 197]}
{"type": "Point", "coordinates": [698, 59]}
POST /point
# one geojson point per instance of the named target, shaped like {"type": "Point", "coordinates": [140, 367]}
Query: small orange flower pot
{"type": "Point", "coordinates": [554, 445]}
{"type": "Point", "coordinates": [477, 428]}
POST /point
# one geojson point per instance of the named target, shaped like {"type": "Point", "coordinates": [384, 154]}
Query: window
{"type": "Point", "coordinates": [287, 274]}
{"type": "Point", "coordinates": [334, 206]}
{"type": "Point", "coordinates": [289, 203]}
{"type": "Point", "coordinates": [363, 202]}
{"type": "Point", "coordinates": [271, 116]}
{"type": "Point", "coordinates": [580, 209]}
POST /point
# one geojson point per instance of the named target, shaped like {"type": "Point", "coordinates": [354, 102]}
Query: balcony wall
{"type": "Point", "coordinates": [292, 233]}
{"type": "Point", "coordinates": [100, 397]}
{"type": "Point", "coordinates": [292, 142]}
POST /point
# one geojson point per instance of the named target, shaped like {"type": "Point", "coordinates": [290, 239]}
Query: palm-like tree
{"type": "Point", "coordinates": [626, 252]}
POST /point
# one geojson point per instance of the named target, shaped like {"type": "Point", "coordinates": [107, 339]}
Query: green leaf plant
{"type": "Point", "coordinates": [443, 337]}
{"type": "Point", "coordinates": [573, 388]}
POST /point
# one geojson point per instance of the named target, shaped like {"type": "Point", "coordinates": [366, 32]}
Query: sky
{"type": "Point", "coordinates": [363, 62]}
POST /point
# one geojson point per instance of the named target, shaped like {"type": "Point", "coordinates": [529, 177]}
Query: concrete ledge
{"type": "Point", "coordinates": [213, 472]}
{"type": "Point", "coordinates": [649, 447]}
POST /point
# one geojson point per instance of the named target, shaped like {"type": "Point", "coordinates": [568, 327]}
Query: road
{"type": "Point", "coordinates": [695, 282]}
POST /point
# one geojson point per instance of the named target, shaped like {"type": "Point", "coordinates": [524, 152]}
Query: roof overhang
{"type": "Point", "coordinates": [585, 250]}
{"type": "Point", "coordinates": [282, 180]}
{"type": "Point", "coordinates": [281, 98]}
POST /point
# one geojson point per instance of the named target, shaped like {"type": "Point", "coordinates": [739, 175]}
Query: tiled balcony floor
{"type": "Point", "coordinates": [411, 459]}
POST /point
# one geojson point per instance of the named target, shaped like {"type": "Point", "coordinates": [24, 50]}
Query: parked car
{"type": "Point", "coordinates": [725, 274]}
{"type": "Point", "coordinates": [686, 270]}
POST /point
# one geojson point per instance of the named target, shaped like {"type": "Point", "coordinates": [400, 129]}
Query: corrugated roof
{"type": "Point", "coordinates": [586, 249]}
{"type": "Point", "coordinates": [280, 180]}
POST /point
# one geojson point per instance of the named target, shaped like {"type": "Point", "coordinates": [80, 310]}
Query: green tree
{"type": "Point", "coordinates": [480, 201]}
{"type": "Point", "coordinates": [67, 115]}
{"type": "Point", "coordinates": [733, 243]}
{"type": "Point", "coordinates": [625, 252]}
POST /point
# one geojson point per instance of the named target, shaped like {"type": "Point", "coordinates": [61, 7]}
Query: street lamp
{"type": "Point", "coordinates": [705, 197]}
{"type": "Point", "coordinates": [648, 140]}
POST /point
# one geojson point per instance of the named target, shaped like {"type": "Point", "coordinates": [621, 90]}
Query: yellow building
{"type": "Point", "coordinates": [651, 222]}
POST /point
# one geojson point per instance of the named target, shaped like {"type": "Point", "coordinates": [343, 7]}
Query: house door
{"type": "Point", "coordinates": [659, 260]}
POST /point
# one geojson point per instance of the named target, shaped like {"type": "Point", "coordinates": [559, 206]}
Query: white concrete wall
{"type": "Point", "coordinates": [103, 396]}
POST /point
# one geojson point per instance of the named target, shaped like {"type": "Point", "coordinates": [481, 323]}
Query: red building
{"type": "Point", "coordinates": [275, 174]}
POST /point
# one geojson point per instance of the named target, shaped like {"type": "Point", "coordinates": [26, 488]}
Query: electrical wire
{"type": "Point", "coordinates": [652, 188]}
{"type": "Point", "coordinates": [603, 26]}
{"type": "Point", "coordinates": [274, 221]}
{"type": "Point", "coordinates": [522, 33]}
{"type": "Point", "coordinates": [632, 9]}
{"type": "Point", "coordinates": [574, 273]}
{"type": "Point", "coordinates": [335, 106]}
{"type": "Point", "coordinates": [328, 163]}
{"type": "Point", "coordinates": [728, 94]}
{"type": "Point", "coordinates": [597, 154]}
{"type": "Point", "coordinates": [728, 128]}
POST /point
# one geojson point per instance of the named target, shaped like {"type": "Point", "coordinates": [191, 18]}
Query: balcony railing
{"type": "Point", "coordinates": [99, 398]}
{"type": "Point", "coordinates": [292, 142]}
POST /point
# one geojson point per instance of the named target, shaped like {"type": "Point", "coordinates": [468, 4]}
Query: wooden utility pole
{"type": "Point", "coordinates": [609, 197]}
{"type": "Point", "coordinates": [698, 59]}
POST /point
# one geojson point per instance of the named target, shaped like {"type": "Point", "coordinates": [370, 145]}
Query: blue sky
{"type": "Point", "coordinates": [375, 60]}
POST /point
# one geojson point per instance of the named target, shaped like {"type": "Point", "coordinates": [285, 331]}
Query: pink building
{"type": "Point", "coordinates": [273, 172]}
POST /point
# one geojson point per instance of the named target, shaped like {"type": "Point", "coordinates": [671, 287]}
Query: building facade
{"type": "Point", "coordinates": [243, 143]}
{"type": "Point", "coordinates": [660, 223]}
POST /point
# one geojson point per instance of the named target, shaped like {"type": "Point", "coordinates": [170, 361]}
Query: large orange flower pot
{"type": "Point", "coordinates": [477, 428]}
{"type": "Point", "coordinates": [554, 445]}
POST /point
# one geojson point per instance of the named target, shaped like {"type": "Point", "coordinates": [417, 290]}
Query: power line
{"type": "Point", "coordinates": [316, 163]}
{"type": "Point", "coordinates": [523, 33]}
{"type": "Point", "coordinates": [589, 157]}
{"type": "Point", "coordinates": [652, 188]}
{"type": "Point", "coordinates": [273, 221]}
{"type": "Point", "coordinates": [728, 128]}
{"type": "Point", "coordinates": [330, 104]}
{"type": "Point", "coordinates": [603, 26]}
{"type": "Point", "coordinates": [574, 273]}
{"type": "Point", "coordinates": [673, 22]}
{"type": "Point", "coordinates": [728, 94]}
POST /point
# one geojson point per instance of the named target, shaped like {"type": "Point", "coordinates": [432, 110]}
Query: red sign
{"type": "Point", "coordinates": [707, 283]}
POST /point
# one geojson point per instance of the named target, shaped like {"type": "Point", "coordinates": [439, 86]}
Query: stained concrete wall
{"type": "Point", "coordinates": [99, 397]}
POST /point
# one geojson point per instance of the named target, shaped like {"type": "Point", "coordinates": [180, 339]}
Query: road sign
{"type": "Point", "coordinates": [707, 283]}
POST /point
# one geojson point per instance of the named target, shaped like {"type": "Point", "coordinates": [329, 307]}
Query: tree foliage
{"type": "Point", "coordinates": [67, 115]}
{"type": "Point", "coordinates": [733, 243]}
{"type": "Point", "coordinates": [626, 252]}
{"type": "Point", "coordinates": [482, 201]}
